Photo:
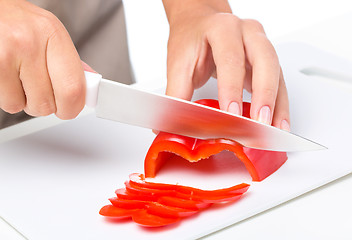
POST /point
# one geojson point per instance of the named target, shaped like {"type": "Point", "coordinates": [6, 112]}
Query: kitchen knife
{"type": "Point", "coordinates": [123, 103]}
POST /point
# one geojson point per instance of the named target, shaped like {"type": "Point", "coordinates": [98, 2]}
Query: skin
{"type": "Point", "coordinates": [205, 40]}
{"type": "Point", "coordinates": [41, 72]}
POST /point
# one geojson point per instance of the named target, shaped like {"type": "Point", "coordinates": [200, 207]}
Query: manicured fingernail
{"type": "Point", "coordinates": [285, 125]}
{"type": "Point", "coordinates": [264, 115]}
{"type": "Point", "coordinates": [234, 108]}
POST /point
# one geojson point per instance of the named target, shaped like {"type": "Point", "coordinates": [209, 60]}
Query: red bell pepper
{"type": "Point", "coordinates": [138, 185]}
{"type": "Point", "coordinates": [116, 212]}
{"type": "Point", "coordinates": [259, 163]}
{"type": "Point", "coordinates": [145, 219]}
{"type": "Point", "coordinates": [158, 204]}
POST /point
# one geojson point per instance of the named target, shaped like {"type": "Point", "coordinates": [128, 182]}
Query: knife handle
{"type": "Point", "coordinates": [92, 87]}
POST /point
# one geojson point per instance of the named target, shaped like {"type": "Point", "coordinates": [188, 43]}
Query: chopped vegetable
{"type": "Point", "coordinates": [259, 163]}
{"type": "Point", "coordinates": [157, 204]}
{"type": "Point", "coordinates": [146, 219]}
{"type": "Point", "coordinates": [116, 212]}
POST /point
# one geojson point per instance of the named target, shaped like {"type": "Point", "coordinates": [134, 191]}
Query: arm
{"type": "Point", "coordinates": [205, 40]}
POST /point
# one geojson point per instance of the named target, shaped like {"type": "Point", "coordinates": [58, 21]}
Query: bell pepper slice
{"type": "Point", "coordinates": [148, 192]}
{"type": "Point", "coordinates": [162, 210]}
{"type": "Point", "coordinates": [156, 208]}
{"type": "Point", "coordinates": [116, 212]}
{"type": "Point", "coordinates": [259, 163]}
{"type": "Point", "coordinates": [183, 203]}
{"type": "Point", "coordinates": [122, 193]}
{"type": "Point", "coordinates": [146, 219]}
{"type": "Point", "coordinates": [137, 180]}
{"type": "Point", "coordinates": [157, 204]}
{"type": "Point", "coordinates": [128, 203]}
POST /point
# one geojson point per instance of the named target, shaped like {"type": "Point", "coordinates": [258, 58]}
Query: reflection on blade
{"type": "Point", "coordinates": [125, 104]}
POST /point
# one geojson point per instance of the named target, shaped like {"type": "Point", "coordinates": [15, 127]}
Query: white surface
{"type": "Point", "coordinates": [7, 232]}
{"type": "Point", "coordinates": [320, 214]}
{"type": "Point", "coordinates": [147, 29]}
{"type": "Point", "coordinates": [58, 181]}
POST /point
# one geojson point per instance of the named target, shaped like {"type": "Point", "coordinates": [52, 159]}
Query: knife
{"type": "Point", "coordinates": [123, 103]}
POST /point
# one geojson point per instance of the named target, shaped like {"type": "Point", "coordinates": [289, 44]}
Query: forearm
{"type": "Point", "coordinates": [177, 8]}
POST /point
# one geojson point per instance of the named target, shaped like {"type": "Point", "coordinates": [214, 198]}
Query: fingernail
{"type": "Point", "coordinates": [234, 108]}
{"type": "Point", "coordinates": [285, 125]}
{"type": "Point", "coordinates": [264, 115]}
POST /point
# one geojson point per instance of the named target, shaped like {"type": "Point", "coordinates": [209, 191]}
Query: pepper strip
{"type": "Point", "coordinates": [259, 163]}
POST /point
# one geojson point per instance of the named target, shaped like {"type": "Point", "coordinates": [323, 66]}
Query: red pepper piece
{"type": "Point", "coordinates": [183, 203]}
{"type": "Point", "coordinates": [148, 192]}
{"type": "Point", "coordinates": [168, 211]}
{"type": "Point", "coordinates": [150, 220]}
{"type": "Point", "coordinates": [211, 199]}
{"type": "Point", "coordinates": [122, 193]}
{"type": "Point", "coordinates": [128, 204]}
{"type": "Point", "coordinates": [259, 163]}
{"type": "Point", "coordinates": [116, 212]}
{"type": "Point", "coordinates": [138, 180]}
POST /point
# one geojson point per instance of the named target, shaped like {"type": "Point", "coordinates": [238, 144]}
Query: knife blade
{"type": "Point", "coordinates": [125, 104]}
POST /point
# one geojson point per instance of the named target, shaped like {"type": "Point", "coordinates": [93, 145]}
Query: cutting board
{"type": "Point", "coordinates": [53, 182]}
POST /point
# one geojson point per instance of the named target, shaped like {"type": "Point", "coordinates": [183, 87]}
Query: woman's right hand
{"type": "Point", "coordinates": [40, 69]}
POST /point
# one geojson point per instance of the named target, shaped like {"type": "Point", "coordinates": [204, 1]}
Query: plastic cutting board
{"type": "Point", "coordinates": [53, 182]}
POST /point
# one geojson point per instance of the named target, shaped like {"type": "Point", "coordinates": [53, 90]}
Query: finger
{"type": "Point", "coordinates": [179, 73]}
{"type": "Point", "coordinates": [12, 98]}
{"type": "Point", "coordinates": [265, 71]}
{"type": "Point", "coordinates": [229, 58]}
{"type": "Point", "coordinates": [66, 74]}
{"type": "Point", "coordinates": [36, 83]}
{"type": "Point", "coordinates": [281, 118]}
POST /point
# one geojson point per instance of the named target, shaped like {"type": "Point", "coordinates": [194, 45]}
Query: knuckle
{"type": "Point", "coordinates": [74, 101]}
{"type": "Point", "coordinates": [6, 56]}
{"type": "Point", "coordinates": [227, 18]}
{"type": "Point", "coordinates": [253, 25]}
{"type": "Point", "coordinates": [74, 92]}
{"type": "Point", "coordinates": [274, 59]}
{"type": "Point", "coordinates": [24, 39]}
{"type": "Point", "coordinates": [49, 24]}
{"type": "Point", "coordinates": [48, 20]}
{"type": "Point", "coordinates": [222, 22]}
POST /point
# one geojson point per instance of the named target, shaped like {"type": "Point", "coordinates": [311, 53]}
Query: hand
{"type": "Point", "coordinates": [205, 40]}
{"type": "Point", "coordinates": [40, 70]}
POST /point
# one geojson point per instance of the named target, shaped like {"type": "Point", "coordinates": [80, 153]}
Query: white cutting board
{"type": "Point", "coordinates": [53, 183]}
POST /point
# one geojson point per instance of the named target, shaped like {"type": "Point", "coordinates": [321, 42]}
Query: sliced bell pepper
{"type": "Point", "coordinates": [156, 208]}
{"type": "Point", "coordinates": [183, 203]}
{"type": "Point", "coordinates": [128, 203]}
{"type": "Point", "coordinates": [116, 212]}
{"type": "Point", "coordinates": [138, 181]}
{"type": "Point", "coordinates": [122, 193]}
{"type": "Point", "coordinates": [162, 210]}
{"type": "Point", "coordinates": [158, 204]}
{"type": "Point", "coordinates": [259, 163]}
{"type": "Point", "coordinates": [146, 219]}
